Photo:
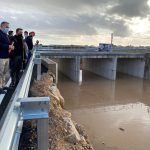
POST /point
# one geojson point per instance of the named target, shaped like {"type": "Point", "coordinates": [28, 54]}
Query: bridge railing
{"type": "Point", "coordinates": [21, 108]}
{"type": "Point", "coordinates": [90, 53]}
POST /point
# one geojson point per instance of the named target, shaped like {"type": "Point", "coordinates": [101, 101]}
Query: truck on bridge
{"type": "Point", "coordinates": [105, 47]}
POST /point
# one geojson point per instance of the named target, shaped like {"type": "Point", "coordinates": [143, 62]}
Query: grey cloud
{"type": "Point", "coordinates": [50, 25]}
{"type": "Point", "coordinates": [69, 17]}
{"type": "Point", "coordinates": [86, 25]}
{"type": "Point", "coordinates": [82, 24]}
{"type": "Point", "coordinates": [59, 3]}
{"type": "Point", "coordinates": [117, 26]}
{"type": "Point", "coordinates": [131, 8]}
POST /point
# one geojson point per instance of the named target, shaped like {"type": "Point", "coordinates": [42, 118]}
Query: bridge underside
{"type": "Point", "coordinates": [105, 67]}
{"type": "Point", "coordinates": [134, 67]}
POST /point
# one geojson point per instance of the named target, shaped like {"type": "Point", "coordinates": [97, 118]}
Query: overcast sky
{"type": "Point", "coordinates": [86, 22]}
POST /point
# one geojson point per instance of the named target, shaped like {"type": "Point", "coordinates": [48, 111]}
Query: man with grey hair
{"type": "Point", "coordinates": [5, 49]}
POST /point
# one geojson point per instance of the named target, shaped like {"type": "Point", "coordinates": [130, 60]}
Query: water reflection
{"type": "Point", "coordinates": [96, 90]}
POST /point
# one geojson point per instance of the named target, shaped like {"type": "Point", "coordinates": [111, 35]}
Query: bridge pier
{"type": "Point", "coordinates": [147, 67]}
{"type": "Point", "coordinates": [134, 67]}
{"type": "Point", "coordinates": [71, 68]}
{"type": "Point", "coordinates": [105, 67]}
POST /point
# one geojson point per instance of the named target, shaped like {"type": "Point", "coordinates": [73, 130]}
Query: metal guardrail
{"type": "Point", "coordinates": [3, 95]}
{"type": "Point", "coordinates": [12, 120]}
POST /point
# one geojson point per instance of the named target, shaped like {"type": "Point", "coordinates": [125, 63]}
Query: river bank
{"type": "Point", "coordinates": [64, 134]}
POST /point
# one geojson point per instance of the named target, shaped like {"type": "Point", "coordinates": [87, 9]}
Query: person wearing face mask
{"type": "Point", "coordinates": [17, 57]}
{"type": "Point", "coordinates": [5, 49]}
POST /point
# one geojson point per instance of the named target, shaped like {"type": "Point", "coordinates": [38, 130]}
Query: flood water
{"type": "Point", "coordinates": [115, 114]}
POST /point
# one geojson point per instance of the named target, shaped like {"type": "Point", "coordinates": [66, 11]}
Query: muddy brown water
{"type": "Point", "coordinates": [115, 114]}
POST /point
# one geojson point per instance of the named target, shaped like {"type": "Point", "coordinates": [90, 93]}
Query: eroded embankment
{"type": "Point", "coordinates": [64, 134]}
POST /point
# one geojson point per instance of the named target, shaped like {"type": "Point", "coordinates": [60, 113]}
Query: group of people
{"type": "Point", "coordinates": [15, 53]}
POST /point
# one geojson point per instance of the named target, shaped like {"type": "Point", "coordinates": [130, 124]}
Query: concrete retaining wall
{"type": "Point", "coordinates": [52, 66]}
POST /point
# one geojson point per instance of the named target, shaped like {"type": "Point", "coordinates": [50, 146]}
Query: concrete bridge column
{"type": "Point", "coordinates": [105, 67]}
{"type": "Point", "coordinates": [71, 68]}
{"type": "Point", "coordinates": [147, 67]}
{"type": "Point", "coordinates": [134, 67]}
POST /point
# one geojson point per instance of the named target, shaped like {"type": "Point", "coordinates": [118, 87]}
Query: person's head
{"type": "Point", "coordinates": [37, 42]}
{"type": "Point", "coordinates": [19, 31]}
{"type": "Point", "coordinates": [10, 33]}
{"type": "Point", "coordinates": [5, 27]}
{"type": "Point", "coordinates": [25, 33]}
{"type": "Point", "coordinates": [32, 34]}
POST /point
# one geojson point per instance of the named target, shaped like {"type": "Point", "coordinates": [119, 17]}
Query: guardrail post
{"type": "Point", "coordinates": [39, 70]}
{"type": "Point", "coordinates": [37, 61]}
{"type": "Point", "coordinates": [38, 108]}
{"type": "Point", "coordinates": [42, 129]}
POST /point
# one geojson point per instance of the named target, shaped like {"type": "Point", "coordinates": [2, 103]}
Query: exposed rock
{"type": "Point", "coordinates": [121, 129]}
{"type": "Point", "coordinates": [73, 136]}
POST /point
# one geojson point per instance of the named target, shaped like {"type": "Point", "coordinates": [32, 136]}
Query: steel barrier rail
{"type": "Point", "coordinates": [12, 119]}
{"type": "Point", "coordinates": [2, 95]}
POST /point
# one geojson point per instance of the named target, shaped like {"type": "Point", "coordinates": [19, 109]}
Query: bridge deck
{"type": "Point", "coordinates": [87, 54]}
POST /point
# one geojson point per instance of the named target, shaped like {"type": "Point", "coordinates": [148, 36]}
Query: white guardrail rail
{"type": "Point", "coordinates": [21, 107]}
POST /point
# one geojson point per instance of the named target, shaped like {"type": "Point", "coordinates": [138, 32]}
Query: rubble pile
{"type": "Point", "coordinates": [64, 134]}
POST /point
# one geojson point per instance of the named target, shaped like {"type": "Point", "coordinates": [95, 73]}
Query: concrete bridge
{"type": "Point", "coordinates": [101, 63]}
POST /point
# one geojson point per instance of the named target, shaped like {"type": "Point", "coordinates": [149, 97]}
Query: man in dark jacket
{"type": "Point", "coordinates": [29, 41]}
{"type": "Point", "coordinates": [5, 49]}
{"type": "Point", "coordinates": [10, 35]}
{"type": "Point", "coordinates": [18, 57]}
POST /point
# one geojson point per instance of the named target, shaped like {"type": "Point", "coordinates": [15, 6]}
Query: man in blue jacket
{"type": "Point", "coordinates": [5, 49]}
